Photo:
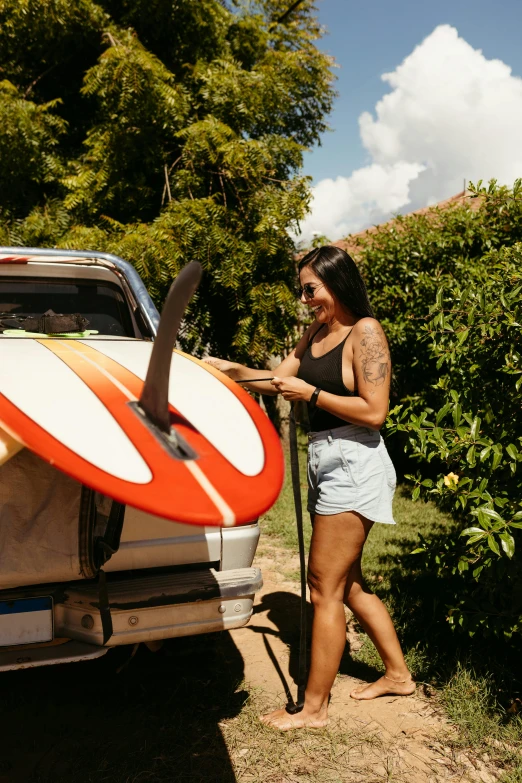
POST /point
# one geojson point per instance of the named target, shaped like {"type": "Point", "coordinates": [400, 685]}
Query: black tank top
{"type": "Point", "coordinates": [326, 372]}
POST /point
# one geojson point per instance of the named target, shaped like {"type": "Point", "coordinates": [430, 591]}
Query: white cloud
{"type": "Point", "coordinates": [451, 115]}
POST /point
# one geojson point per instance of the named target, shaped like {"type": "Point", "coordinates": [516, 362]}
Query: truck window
{"type": "Point", "coordinates": [100, 301]}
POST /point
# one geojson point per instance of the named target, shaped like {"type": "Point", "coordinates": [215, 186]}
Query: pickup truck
{"type": "Point", "coordinates": [160, 579]}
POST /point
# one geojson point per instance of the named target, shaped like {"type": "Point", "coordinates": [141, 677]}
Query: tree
{"type": "Point", "coordinates": [165, 132]}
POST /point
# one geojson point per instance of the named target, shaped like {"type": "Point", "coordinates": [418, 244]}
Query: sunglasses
{"type": "Point", "coordinates": [308, 290]}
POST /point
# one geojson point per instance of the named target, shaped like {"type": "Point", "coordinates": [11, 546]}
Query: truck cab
{"type": "Point", "coordinates": [80, 574]}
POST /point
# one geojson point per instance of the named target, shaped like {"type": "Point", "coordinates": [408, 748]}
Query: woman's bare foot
{"type": "Point", "coordinates": [307, 718]}
{"type": "Point", "coordinates": [384, 686]}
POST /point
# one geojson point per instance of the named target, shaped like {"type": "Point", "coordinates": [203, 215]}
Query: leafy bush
{"type": "Point", "coordinates": [406, 261]}
{"type": "Point", "coordinates": [469, 442]}
{"type": "Point", "coordinates": [447, 285]}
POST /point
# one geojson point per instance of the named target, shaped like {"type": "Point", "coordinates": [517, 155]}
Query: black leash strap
{"type": "Point", "coordinates": [257, 380]}
{"type": "Point", "coordinates": [296, 486]}
{"type": "Point", "coordinates": [105, 609]}
{"type": "Point", "coordinates": [293, 707]}
{"type": "Point", "coordinates": [105, 547]}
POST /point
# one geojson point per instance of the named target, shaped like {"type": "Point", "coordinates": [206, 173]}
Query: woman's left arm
{"type": "Point", "coordinates": [372, 371]}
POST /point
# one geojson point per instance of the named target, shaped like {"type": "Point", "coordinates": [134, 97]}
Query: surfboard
{"type": "Point", "coordinates": [75, 403]}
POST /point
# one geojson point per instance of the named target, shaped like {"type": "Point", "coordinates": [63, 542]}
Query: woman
{"type": "Point", "coordinates": [341, 368]}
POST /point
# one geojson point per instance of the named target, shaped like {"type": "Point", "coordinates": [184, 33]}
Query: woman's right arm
{"type": "Point", "coordinates": [288, 367]}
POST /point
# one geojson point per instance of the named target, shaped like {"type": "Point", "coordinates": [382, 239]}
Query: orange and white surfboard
{"type": "Point", "coordinates": [74, 403]}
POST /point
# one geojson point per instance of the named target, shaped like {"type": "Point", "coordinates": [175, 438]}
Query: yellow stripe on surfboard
{"type": "Point", "coordinates": [9, 446]}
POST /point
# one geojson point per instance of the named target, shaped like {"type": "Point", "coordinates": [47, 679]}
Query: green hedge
{"type": "Point", "coordinates": [473, 438]}
{"type": "Point", "coordinates": [406, 261]}
{"type": "Point", "coordinates": [447, 287]}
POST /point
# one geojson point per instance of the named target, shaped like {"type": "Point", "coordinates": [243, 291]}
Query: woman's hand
{"type": "Point", "coordinates": [293, 389]}
{"type": "Point", "coordinates": [222, 365]}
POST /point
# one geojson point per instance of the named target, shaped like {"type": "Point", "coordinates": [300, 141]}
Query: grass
{"type": "Point", "coordinates": [477, 684]}
{"type": "Point", "coordinates": [262, 755]}
{"type": "Point", "coordinates": [279, 522]}
{"type": "Point", "coordinates": [471, 703]}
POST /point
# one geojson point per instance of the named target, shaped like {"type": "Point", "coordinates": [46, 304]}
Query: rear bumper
{"type": "Point", "coordinates": [30, 656]}
{"type": "Point", "coordinates": [142, 609]}
{"type": "Point", "coordinates": [160, 607]}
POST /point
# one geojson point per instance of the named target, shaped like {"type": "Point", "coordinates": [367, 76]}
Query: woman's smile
{"type": "Point", "coordinates": [316, 296]}
{"type": "Point", "coordinates": [320, 312]}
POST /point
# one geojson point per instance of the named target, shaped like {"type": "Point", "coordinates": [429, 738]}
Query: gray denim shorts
{"type": "Point", "coordinates": [349, 469]}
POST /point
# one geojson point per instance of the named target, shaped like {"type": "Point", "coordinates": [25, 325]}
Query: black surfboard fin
{"type": "Point", "coordinates": [154, 400]}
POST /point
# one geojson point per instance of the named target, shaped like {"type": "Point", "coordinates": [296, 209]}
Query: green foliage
{"type": "Point", "coordinates": [469, 442]}
{"type": "Point", "coordinates": [447, 285]}
{"type": "Point", "coordinates": [319, 240]}
{"type": "Point", "coordinates": [406, 261]}
{"type": "Point", "coordinates": [167, 132]}
{"type": "Point", "coordinates": [29, 135]}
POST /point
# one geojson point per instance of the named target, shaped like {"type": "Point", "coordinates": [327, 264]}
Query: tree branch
{"type": "Point", "coordinates": [35, 81]}
{"type": "Point", "coordinates": [176, 161]}
{"type": "Point", "coordinates": [223, 190]}
{"type": "Point", "coordinates": [287, 13]}
{"type": "Point", "coordinates": [110, 37]}
{"type": "Point", "coordinates": [167, 183]}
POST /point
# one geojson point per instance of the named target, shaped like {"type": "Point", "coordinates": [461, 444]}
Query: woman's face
{"type": "Point", "coordinates": [316, 295]}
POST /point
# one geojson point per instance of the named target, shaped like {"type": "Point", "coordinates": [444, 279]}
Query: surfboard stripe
{"type": "Point", "coordinates": [229, 518]}
{"type": "Point", "coordinates": [52, 397]}
{"type": "Point", "coordinates": [203, 399]}
{"type": "Point", "coordinates": [228, 515]}
{"type": "Point", "coordinates": [103, 362]}
{"type": "Point", "coordinates": [237, 493]}
{"type": "Point", "coordinates": [111, 378]}
{"type": "Point", "coordinates": [109, 390]}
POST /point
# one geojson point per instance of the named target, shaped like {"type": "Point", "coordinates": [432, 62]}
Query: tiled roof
{"type": "Point", "coordinates": [350, 244]}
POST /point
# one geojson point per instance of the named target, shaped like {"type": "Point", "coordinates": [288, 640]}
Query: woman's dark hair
{"type": "Point", "coordinates": [339, 273]}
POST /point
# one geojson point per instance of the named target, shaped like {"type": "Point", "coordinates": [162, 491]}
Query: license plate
{"type": "Point", "coordinates": [26, 621]}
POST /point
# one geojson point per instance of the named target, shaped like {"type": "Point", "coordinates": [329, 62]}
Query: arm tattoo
{"type": "Point", "coordinates": [375, 356]}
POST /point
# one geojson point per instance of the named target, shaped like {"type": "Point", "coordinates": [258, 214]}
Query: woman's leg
{"type": "Point", "coordinates": [337, 543]}
{"type": "Point", "coordinates": [374, 618]}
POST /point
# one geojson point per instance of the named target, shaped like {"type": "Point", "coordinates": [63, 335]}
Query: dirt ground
{"type": "Point", "coordinates": [189, 713]}
{"type": "Point", "coordinates": [407, 738]}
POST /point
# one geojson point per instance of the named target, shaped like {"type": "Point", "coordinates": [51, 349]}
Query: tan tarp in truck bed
{"type": "Point", "coordinates": [39, 523]}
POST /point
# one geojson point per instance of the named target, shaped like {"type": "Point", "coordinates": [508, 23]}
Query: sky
{"type": "Point", "coordinates": [430, 95]}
